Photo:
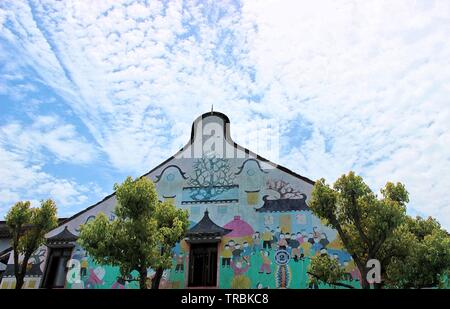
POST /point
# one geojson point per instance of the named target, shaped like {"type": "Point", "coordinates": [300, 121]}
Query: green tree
{"type": "Point", "coordinates": [327, 270]}
{"type": "Point", "coordinates": [423, 260]}
{"type": "Point", "coordinates": [363, 221]}
{"type": "Point", "coordinates": [139, 236]}
{"type": "Point", "coordinates": [172, 224]}
{"type": "Point", "coordinates": [28, 226]}
{"type": "Point", "coordinates": [413, 252]}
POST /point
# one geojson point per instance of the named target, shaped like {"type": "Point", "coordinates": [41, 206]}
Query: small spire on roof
{"type": "Point", "coordinates": [212, 108]}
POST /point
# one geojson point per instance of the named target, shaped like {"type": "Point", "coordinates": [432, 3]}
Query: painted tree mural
{"type": "Point", "coordinates": [212, 176]}
{"type": "Point", "coordinates": [284, 189]}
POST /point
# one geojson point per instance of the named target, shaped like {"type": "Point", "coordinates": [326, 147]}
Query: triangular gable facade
{"type": "Point", "coordinates": [263, 207]}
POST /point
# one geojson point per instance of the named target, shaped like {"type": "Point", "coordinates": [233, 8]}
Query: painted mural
{"type": "Point", "coordinates": [272, 233]}
{"type": "Point", "coordinates": [34, 272]}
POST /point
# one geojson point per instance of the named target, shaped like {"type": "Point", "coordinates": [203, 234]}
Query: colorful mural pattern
{"type": "Point", "coordinates": [269, 246]}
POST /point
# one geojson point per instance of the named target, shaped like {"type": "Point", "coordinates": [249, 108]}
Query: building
{"type": "Point", "coordinates": [251, 226]}
{"type": "Point", "coordinates": [5, 248]}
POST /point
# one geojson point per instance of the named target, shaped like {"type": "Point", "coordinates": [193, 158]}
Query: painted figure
{"type": "Point", "coordinates": [239, 268]}
{"type": "Point", "coordinates": [226, 256]}
{"type": "Point", "coordinates": [316, 247]}
{"type": "Point", "coordinates": [256, 242]}
{"type": "Point", "coordinates": [274, 240]}
{"type": "Point", "coordinates": [316, 232]}
{"type": "Point", "coordinates": [305, 248]}
{"type": "Point", "coordinates": [231, 244]}
{"type": "Point", "coordinates": [180, 263]}
{"type": "Point", "coordinates": [294, 245]}
{"type": "Point", "coordinates": [277, 233]}
{"type": "Point", "coordinates": [311, 238]}
{"type": "Point", "coordinates": [237, 252]}
{"type": "Point", "coordinates": [287, 237]}
{"type": "Point", "coordinates": [267, 238]}
{"type": "Point", "coordinates": [83, 265]}
{"type": "Point", "coordinates": [282, 243]}
{"type": "Point", "coordinates": [324, 240]}
{"type": "Point", "coordinates": [299, 237]}
{"type": "Point", "coordinates": [77, 255]}
{"type": "Point", "coordinates": [246, 252]}
{"type": "Point", "coordinates": [265, 266]}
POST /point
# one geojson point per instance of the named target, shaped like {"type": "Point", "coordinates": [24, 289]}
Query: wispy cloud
{"type": "Point", "coordinates": [23, 179]}
{"type": "Point", "coordinates": [25, 153]}
{"type": "Point", "coordinates": [353, 85]}
{"type": "Point", "coordinates": [47, 133]}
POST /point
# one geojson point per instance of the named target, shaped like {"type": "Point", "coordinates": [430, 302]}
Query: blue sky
{"type": "Point", "coordinates": [93, 91]}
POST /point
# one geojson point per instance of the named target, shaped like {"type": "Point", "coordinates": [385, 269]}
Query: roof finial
{"type": "Point", "coordinates": [212, 108]}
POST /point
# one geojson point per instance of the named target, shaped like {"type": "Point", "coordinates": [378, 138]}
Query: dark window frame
{"type": "Point", "coordinates": [205, 254]}
{"type": "Point", "coordinates": [54, 254]}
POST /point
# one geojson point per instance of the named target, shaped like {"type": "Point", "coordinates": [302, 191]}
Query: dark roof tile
{"type": "Point", "coordinates": [283, 205]}
{"type": "Point", "coordinates": [206, 228]}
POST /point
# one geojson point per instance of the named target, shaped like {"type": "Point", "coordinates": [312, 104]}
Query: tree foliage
{"type": "Point", "coordinates": [140, 235]}
{"type": "Point", "coordinates": [363, 221]}
{"type": "Point", "coordinates": [172, 224]}
{"type": "Point", "coordinates": [325, 269]}
{"type": "Point", "coordinates": [28, 226]}
{"type": "Point", "coordinates": [427, 257]}
{"type": "Point", "coordinates": [412, 252]}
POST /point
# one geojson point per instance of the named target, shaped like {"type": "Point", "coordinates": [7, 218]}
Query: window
{"type": "Point", "coordinates": [203, 265]}
{"type": "Point", "coordinates": [286, 223]}
{"type": "Point", "coordinates": [55, 276]}
{"type": "Point", "coordinates": [252, 197]}
{"type": "Point", "coordinates": [170, 199]}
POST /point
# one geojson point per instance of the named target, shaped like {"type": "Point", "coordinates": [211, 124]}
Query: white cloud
{"type": "Point", "coordinates": [372, 80]}
{"type": "Point", "coordinates": [24, 152]}
{"type": "Point", "coordinates": [23, 180]}
{"type": "Point", "coordinates": [51, 134]}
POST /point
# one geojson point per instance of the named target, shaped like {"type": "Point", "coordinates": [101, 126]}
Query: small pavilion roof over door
{"type": "Point", "coordinates": [206, 230]}
{"type": "Point", "coordinates": [65, 238]}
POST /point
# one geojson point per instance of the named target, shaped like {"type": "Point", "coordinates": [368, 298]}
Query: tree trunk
{"type": "Point", "coordinates": [378, 286]}
{"type": "Point", "coordinates": [17, 272]}
{"type": "Point", "coordinates": [143, 278]}
{"type": "Point", "coordinates": [19, 281]}
{"type": "Point", "coordinates": [364, 283]}
{"type": "Point", "coordinates": [20, 269]}
{"type": "Point", "coordinates": [17, 269]}
{"type": "Point", "coordinates": [157, 278]}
